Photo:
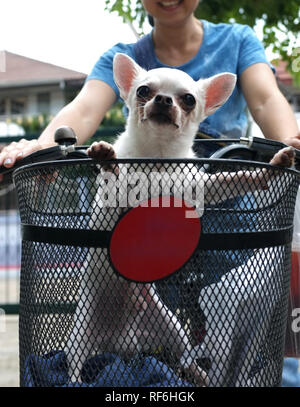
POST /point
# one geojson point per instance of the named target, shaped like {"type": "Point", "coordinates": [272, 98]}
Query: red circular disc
{"type": "Point", "coordinates": [154, 239]}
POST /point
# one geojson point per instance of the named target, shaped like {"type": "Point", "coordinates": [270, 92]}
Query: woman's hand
{"type": "Point", "coordinates": [293, 141]}
{"type": "Point", "coordinates": [17, 150]}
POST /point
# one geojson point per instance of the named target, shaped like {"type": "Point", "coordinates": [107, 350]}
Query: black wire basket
{"type": "Point", "coordinates": [154, 272]}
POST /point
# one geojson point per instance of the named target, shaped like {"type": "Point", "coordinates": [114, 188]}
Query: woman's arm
{"type": "Point", "coordinates": [83, 115]}
{"type": "Point", "coordinates": [268, 106]}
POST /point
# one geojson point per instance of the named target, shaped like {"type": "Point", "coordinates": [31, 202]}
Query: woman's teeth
{"type": "Point", "coordinates": [170, 3]}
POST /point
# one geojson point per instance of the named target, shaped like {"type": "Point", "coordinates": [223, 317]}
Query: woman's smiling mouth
{"type": "Point", "coordinates": [170, 5]}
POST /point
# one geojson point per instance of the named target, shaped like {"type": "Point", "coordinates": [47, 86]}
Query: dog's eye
{"type": "Point", "coordinates": [189, 100]}
{"type": "Point", "coordinates": [143, 91]}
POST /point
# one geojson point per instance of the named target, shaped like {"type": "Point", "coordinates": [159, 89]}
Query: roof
{"type": "Point", "coordinates": [24, 71]}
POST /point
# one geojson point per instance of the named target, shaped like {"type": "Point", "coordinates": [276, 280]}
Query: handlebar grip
{"type": "Point", "coordinates": [47, 154]}
{"type": "Point", "coordinates": [64, 136]}
{"type": "Point", "coordinates": [267, 147]}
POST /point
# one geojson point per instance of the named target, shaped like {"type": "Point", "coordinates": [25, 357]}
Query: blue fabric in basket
{"type": "Point", "coordinates": [105, 370]}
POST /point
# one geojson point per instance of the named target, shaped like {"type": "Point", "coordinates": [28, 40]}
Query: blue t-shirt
{"type": "Point", "coordinates": [225, 48]}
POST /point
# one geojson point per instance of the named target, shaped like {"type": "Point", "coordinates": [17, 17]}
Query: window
{"type": "Point", "coordinates": [43, 101]}
{"type": "Point", "coordinates": [17, 105]}
{"type": "Point", "coordinates": [70, 94]}
{"type": "Point", "coordinates": [2, 106]}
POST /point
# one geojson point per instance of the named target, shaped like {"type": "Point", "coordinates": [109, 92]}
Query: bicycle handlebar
{"type": "Point", "coordinates": [252, 148]}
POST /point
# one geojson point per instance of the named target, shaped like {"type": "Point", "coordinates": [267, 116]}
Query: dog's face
{"type": "Point", "coordinates": [169, 99]}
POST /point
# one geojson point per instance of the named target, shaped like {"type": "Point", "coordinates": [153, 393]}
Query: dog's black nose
{"type": "Point", "coordinates": [163, 100]}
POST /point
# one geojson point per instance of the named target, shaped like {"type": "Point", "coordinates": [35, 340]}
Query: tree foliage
{"type": "Point", "coordinates": [278, 16]}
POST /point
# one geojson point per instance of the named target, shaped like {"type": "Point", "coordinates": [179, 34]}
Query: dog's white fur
{"type": "Point", "coordinates": [147, 138]}
{"type": "Point", "coordinates": [113, 313]}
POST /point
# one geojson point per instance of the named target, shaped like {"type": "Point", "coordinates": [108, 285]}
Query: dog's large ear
{"type": "Point", "coordinates": [217, 90]}
{"type": "Point", "coordinates": [125, 71]}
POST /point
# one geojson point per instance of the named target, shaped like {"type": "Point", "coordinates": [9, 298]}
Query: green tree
{"type": "Point", "coordinates": [278, 16]}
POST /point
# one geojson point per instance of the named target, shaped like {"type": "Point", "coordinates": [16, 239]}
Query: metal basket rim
{"type": "Point", "coordinates": [139, 160]}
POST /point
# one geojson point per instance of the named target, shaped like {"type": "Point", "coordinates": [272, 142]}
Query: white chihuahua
{"type": "Point", "coordinates": [115, 315]}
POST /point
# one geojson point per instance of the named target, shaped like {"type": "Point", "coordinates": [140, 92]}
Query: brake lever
{"type": "Point", "coordinates": [267, 147]}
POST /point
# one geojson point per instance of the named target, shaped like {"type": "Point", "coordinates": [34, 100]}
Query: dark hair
{"type": "Point", "coordinates": [150, 20]}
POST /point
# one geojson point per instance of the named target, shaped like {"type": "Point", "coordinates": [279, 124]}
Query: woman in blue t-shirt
{"type": "Point", "coordinates": [201, 49]}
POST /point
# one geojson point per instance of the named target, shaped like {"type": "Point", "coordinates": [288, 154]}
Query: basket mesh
{"type": "Point", "coordinates": [219, 320]}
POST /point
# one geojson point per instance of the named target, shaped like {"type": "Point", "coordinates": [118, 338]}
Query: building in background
{"type": "Point", "coordinates": [31, 88]}
{"type": "Point", "coordinates": [28, 89]}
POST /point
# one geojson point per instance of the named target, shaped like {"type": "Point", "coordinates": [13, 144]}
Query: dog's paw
{"type": "Point", "coordinates": [284, 157]}
{"type": "Point", "coordinates": [101, 151]}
